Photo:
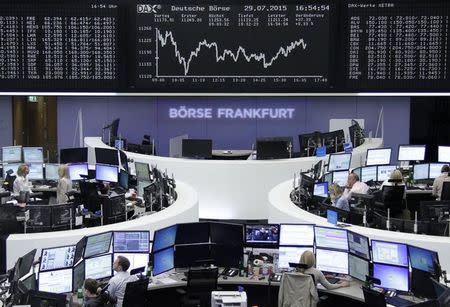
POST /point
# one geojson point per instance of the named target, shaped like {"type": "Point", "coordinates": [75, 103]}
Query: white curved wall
{"type": "Point", "coordinates": [183, 210]}
{"type": "Point", "coordinates": [282, 210]}
{"type": "Point", "coordinates": [233, 189]}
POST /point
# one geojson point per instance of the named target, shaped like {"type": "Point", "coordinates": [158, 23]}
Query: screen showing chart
{"type": "Point", "coordinates": [331, 238]}
{"type": "Point", "coordinates": [59, 281]}
{"type": "Point", "coordinates": [33, 155]}
{"type": "Point", "coordinates": [292, 254]}
{"type": "Point", "coordinates": [332, 261]}
{"type": "Point", "coordinates": [321, 189]}
{"type": "Point", "coordinates": [392, 277]}
{"type": "Point", "coordinates": [411, 152]}
{"type": "Point", "coordinates": [291, 234]}
{"type": "Point", "coordinates": [444, 154]}
{"type": "Point", "coordinates": [339, 162]}
{"type": "Point", "coordinates": [379, 156]}
{"type": "Point", "coordinates": [384, 172]}
{"type": "Point", "coordinates": [435, 170]}
{"type": "Point", "coordinates": [57, 258]}
{"type": "Point", "coordinates": [12, 154]}
{"type": "Point", "coordinates": [97, 244]}
{"type": "Point", "coordinates": [131, 241]}
{"type": "Point", "coordinates": [389, 253]}
{"type": "Point", "coordinates": [98, 267]}
{"type": "Point", "coordinates": [270, 47]}
{"type": "Point", "coordinates": [358, 245]}
{"type": "Point", "coordinates": [420, 171]}
{"type": "Point", "coordinates": [357, 267]}
{"type": "Point", "coordinates": [36, 171]}
{"type": "Point", "coordinates": [368, 173]}
{"type": "Point", "coordinates": [51, 171]}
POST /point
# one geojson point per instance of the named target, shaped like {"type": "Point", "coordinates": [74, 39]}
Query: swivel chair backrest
{"type": "Point", "coordinates": [445, 195]}
{"type": "Point", "coordinates": [392, 197]}
{"type": "Point", "coordinates": [136, 294]}
{"type": "Point", "coordinates": [373, 298]}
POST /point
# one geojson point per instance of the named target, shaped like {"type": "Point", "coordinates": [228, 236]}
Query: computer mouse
{"type": "Point", "coordinates": [224, 277]}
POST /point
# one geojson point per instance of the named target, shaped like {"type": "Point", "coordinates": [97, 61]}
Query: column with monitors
{"type": "Point", "coordinates": [358, 256]}
{"type": "Point", "coordinates": [163, 249]}
{"type": "Point", "coordinates": [133, 245]}
{"type": "Point", "coordinates": [295, 239]}
{"type": "Point", "coordinates": [331, 250]}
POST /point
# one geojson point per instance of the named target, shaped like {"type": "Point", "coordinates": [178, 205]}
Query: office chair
{"type": "Point", "coordinates": [392, 198]}
{"type": "Point", "coordinates": [200, 283]}
{"type": "Point", "coordinates": [373, 298]}
{"type": "Point", "coordinates": [136, 294]}
{"type": "Point", "coordinates": [297, 289]}
{"type": "Point", "coordinates": [445, 195]}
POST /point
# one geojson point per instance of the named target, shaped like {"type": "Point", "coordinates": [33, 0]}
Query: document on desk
{"type": "Point", "coordinates": [167, 281]}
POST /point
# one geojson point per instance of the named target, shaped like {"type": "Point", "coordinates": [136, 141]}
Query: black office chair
{"type": "Point", "coordinates": [136, 294]}
{"type": "Point", "coordinates": [200, 283]}
{"type": "Point", "coordinates": [445, 195]}
{"type": "Point", "coordinates": [392, 198]}
{"type": "Point", "coordinates": [373, 298]}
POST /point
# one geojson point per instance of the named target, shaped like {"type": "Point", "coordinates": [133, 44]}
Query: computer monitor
{"type": "Point", "coordinates": [271, 149]}
{"type": "Point", "coordinates": [317, 170]}
{"type": "Point", "coordinates": [392, 277]}
{"type": "Point", "coordinates": [73, 155]}
{"type": "Point", "coordinates": [38, 298]}
{"type": "Point", "coordinates": [357, 171]}
{"type": "Point", "coordinates": [109, 173]}
{"type": "Point", "coordinates": [357, 267]}
{"type": "Point", "coordinates": [421, 171]}
{"type": "Point", "coordinates": [163, 261]}
{"type": "Point", "coordinates": [262, 235]}
{"type": "Point", "coordinates": [435, 170]}
{"type": "Point", "coordinates": [33, 155]}
{"type": "Point", "coordinates": [51, 172]}
{"type": "Point", "coordinates": [332, 216]}
{"type": "Point", "coordinates": [164, 238]}
{"type": "Point", "coordinates": [333, 141]}
{"type": "Point", "coordinates": [11, 154]}
{"type": "Point", "coordinates": [390, 253]}
{"type": "Point", "coordinates": [11, 166]}
{"type": "Point", "coordinates": [30, 282]}
{"type": "Point", "coordinates": [328, 177]}
{"type": "Point", "coordinates": [292, 254]}
{"type": "Point", "coordinates": [327, 237]}
{"type": "Point", "coordinates": [79, 250]}
{"type": "Point", "coordinates": [36, 171]}
{"type": "Point", "coordinates": [196, 148]}
{"type": "Point", "coordinates": [137, 260]}
{"type": "Point", "coordinates": [98, 267]}
{"type": "Point", "coordinates": [123, 179]}
{"type": "Point", "coordinates": [358, 245]}
{"type": "Point", "coordinates": [26, 262]}
{"type": "Point", "coordinates": [78, 276]}
{"type": "Point", "coordinates": [411, 152]}
{"type": "Point", "coordinates": [192, 255]}
{"type": "Point", "coordinates": [297, 234]}
{"type": "Point", "coordinates": [340, 177]}
{"type": "Point", "coordinates": [98, 244]}
{"type": "Point", "coordinates": [331, 261]}
{"type": "Point", "coordinates": [227, 234]}
{"type": "Point", "coordinates": [321, 189]}
{"type": "Point", "coordinates": [57, 258]}
{"type": "Point", "coordinates": [142, 171]}
{"type": "Point", "coordinates": [423, 259]}
{"type": "Point", "coordinates": [339, 162]}
{"type": "Point", "coordinates": [384, 172]}
{"type": "Point", "coordinates": [368, 173]}
{"type": "Point", "coordinates": [131, 242]}
{"type": "Point", "coordinates": [106, 156]}
{"type": "Point", "coordinates": [444, 154]}
{"type": "Point", "coordinates": [58, 281]}
{"type": "Point", "coordinates": [77, 170]}
{"type": "Point", "coordinates": [378, 156]}
{"type": "Point", "coordinates": [192, 233]}
{"type": "Point", "coordinates": [226, 255]}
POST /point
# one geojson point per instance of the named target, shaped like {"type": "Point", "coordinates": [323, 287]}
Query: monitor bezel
{"type": "Point", "coordinates": [129, 231]}
{"type": "Point", "coordinates": [375, 149]}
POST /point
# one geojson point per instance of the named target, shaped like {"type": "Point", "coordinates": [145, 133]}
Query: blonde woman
{"type": "Point", "coordinates": [309, 260]}
{"type": "Point", "coordinates": [398, 177]}
{"type": "Point", "coordinates": [21, 183]}
{"type": "Point", "coordinates": [64, 184]}
{"type": "Point", "coordinates": [337, 199]}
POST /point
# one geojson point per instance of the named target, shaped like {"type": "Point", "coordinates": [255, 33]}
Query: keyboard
{"type": "Point", "coordinates": [398, 301]}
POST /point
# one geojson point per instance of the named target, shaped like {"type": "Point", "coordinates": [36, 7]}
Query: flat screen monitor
{"type": "Point", "coordinates": [142, 171]}
{"type": "Point", "coordinates": [227, 234]}
{"type": "Point", "coordinates": [97, 244]}
{"type": "Point", "coordinates": [357, 171]}
{"type": "Point", "coordinates": [192, 255]}
{"type": "Point", "coordinates": [78, 276]}
{"type": "Point", "coordinates": [11, 166]}
{"type": "Point", "coordinates": [12, 154]}
{"type": "Point", "coordinates": [137, 260]}
{"type": "Point", "coordinates": [358, 245]}
{"type": "Point", "coordinates": [73, 155]}
{"type": "Point", "coordinates": [59, 281]}
{"type": "Point", "coordinates": [119, 144]}
{"type": "Point", "coordinates": [261, 235]}
{"type": "Point", "coordinates": [378, 156]}
{"type": "Point", "coordinates": [77, 170]}
{"type": "Point", "coordinates": [332, 261]}
{"type": "Point", "coordinates": [444, 154]}
{"type": "Point", "coordinates": [30, 282]}
{"type": "Point", "coordinates": [423, 259]}
{"type": "Point", "coordinates": [421, 171]}
{"type": "Point", "coordinates": [392, 277]}
{"type": "Point", "coordinates": [163, 261]}
{"type": "Point", "coordinates": [339, 162]}
{"type": "Point", "coordinates": [192, 233]}
{"type": "Point", "coordinates": [411, 152]}
{"type": "Point", "coordinates": [321, 189]}
{"type": "Point", "coordinates": [79, 250]}
{"type": "Point", "coordinates": [435, 170]}
{"type": "Point", "coordinates": [328, 177]}
{"type": "Point", "coordinates": [131, 242]}
{"type": "Point", "coordinates": [109, 173]}
{"type": "Point", "coordinates": [292, 254]}
{"type": "Point", "coordinates": [196, 148]}
{"type": "Point", "coordinates": [33, 155]}
{"type": "Point", "coordinates": [57, 258]}
{"type": "Point", "coordinates": [368, 173]}
{"type": "Point", "coordinates": [51, 172]}
{"type": "Point", "coordinates": [389, 253]}
{"type": "Point", "coordinates": [271, 149]}
{"type": "Point", "coordinates": [226, 255]}
{"type": "Point", "coordinates": [332, 216]}
{"type": "Point", "coordinates": [358, 268]}
{"type": "Point", "coordinates": [297, 234]}
{"type": "Point", "coordinates": [164, 238]}
{"type": "Point", "coordinates": [106, 156]}
{"type": "Point", "coordinates": [98, 267]}
{"type": "Point", "coordinates": [340, 177]}
{"type": "Point", "coordinates": [384, 172]}
{"type": "Point", "coordinates": [331, 238]}
{"type": "Point", "coordinates": [36, 171]}
{"type": "Point", "coordinates": [26, 262]}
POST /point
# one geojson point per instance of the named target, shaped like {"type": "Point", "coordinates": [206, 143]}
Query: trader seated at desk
{"type": "Point", "coordinates": [439, 181]}
{"type": "Point", "coordinates": [354, 186]}
{"type": "Point", "coordinates": [21, 183]}
{"type": "Point", "coordinates": [337, 200]}
{"type": "Point", "coordinates": [118, 282]}
{"type": "Point", "coordinates": [64, 184]}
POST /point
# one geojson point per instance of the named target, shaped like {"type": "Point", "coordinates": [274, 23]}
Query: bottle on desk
{"type": "Point", "coordinates": [241, 269]}
{"type": "Point", "coordinates": [149, 272]}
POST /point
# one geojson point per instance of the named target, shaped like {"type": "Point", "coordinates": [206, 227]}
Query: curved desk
{"type": "Point", "coordinates": [233, 189]}
{"type": "Point", "coordinates": [183, 210]}
{"type": "Point", "coordinates": [282, 210]}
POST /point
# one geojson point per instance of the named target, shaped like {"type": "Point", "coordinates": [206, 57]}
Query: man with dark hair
{"type": "Point", "coordinates": [439, 181]}
{"type": "Point", "coordinates": [91, 298]}
{"type": "Point", "coordinates": [118, 282]}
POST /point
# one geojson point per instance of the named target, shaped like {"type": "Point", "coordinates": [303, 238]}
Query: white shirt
{"type": "Point", "coordinates": [320, 279]}
{"type": "Point", "coordinates": [358, 187]}
{"type": "Point", "coordinates": [117, 285]}
{"type": "Point", "coordinates": [64, 186]}
{"type": "Point", "coordinates": [21, 184]}
{"type": "Point", "coordinates": [438, 183]}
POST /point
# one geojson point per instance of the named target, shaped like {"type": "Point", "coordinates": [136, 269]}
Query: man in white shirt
{"type": "Point", "coordinates": [21, 182]}
{"type": "Point", "coordinates": [118, 282]}
{"type": "Point", "coordinates": [439, 181]}
{"type": "Point", "coordinates": [354, 186]}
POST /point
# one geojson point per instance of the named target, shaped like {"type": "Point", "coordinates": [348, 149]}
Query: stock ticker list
{"type": "Point", "coordinates": [394, 45]}
{"type": "Point", "coordinates": [58, 46]}
{"type": "Point", "coordinates": [237, 47]}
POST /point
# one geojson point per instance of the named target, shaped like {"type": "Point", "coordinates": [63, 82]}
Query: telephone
{"type": "Point", "coordinates": [275, 277]}
{"type": "Point", "coordinates": [230, 272]}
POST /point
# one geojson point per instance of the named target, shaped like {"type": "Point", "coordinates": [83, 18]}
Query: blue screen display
{"type": "Point", "coordinates": [332, 216]}
{"type": "Point", "coordinates": [422, 259]}
{"type": "Point", "coordinates": [164, 238]}
{"type": "Point", "coordinates": [390, 253]}
{"type": "Point", "coordinates": [392, 277]}
{"type": "Point", "coordinates": [163, 261]}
